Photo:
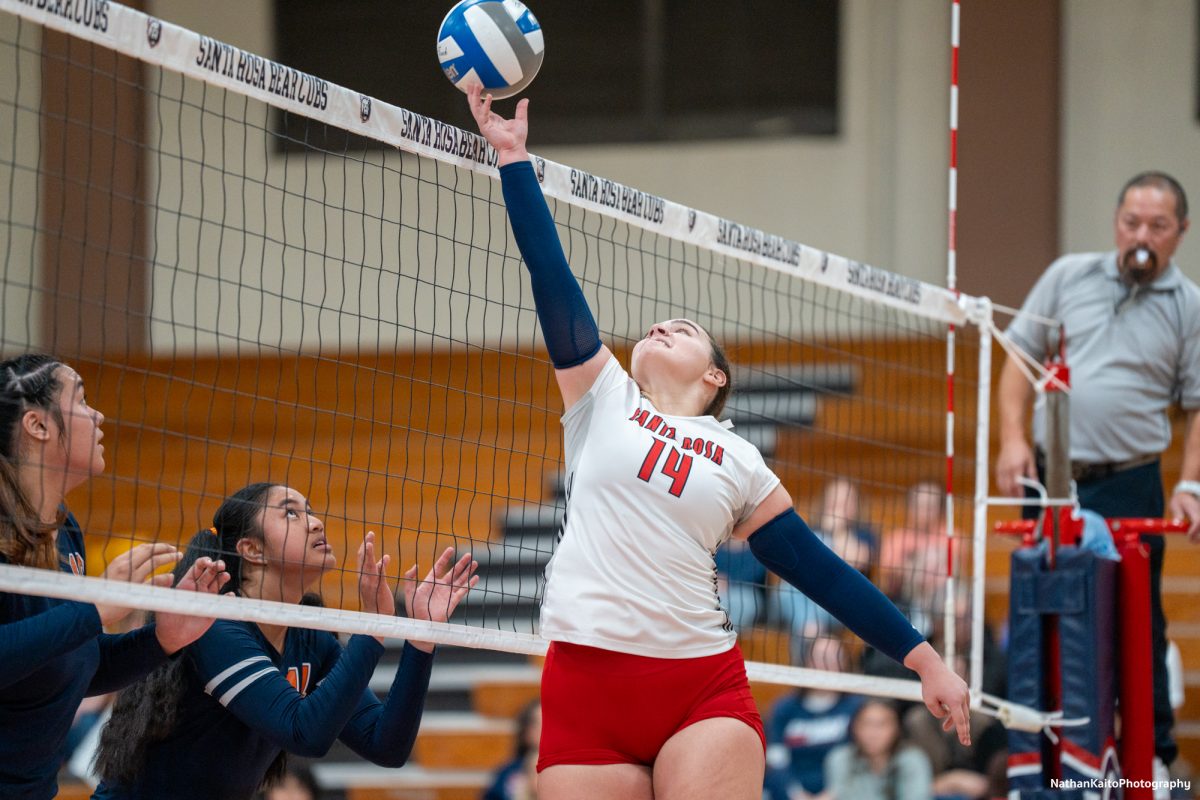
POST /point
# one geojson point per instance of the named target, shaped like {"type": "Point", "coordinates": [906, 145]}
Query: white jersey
{"type": "Point", "coordinates": [650, 497]}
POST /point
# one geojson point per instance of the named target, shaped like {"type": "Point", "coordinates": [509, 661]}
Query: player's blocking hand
{"type": "Point", "coordinates": [373, 589]}
{"type": "Point", "coordinates": [135, 566]}
{"type": "Point", "coordinates": [176, 631]}
{"type": "Point", "coordinates": [436, 597]}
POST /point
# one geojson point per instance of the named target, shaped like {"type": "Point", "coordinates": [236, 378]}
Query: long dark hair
{"type": "Point", "coordinates": [898, 743]}
{"type": "Point", "coordinates": [146, 711]}
{"type": "Point", "coordinates": [26, 382]}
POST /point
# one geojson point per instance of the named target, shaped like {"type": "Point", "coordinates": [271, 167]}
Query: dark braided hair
{"type": "Point", "coordinates": [26, 382]}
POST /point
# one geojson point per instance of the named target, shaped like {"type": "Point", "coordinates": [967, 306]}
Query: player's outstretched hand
{"type": "Point", "coordinates": [373, 589]}
{"type": "Point", "coordinates": [1185, 505]}
{"type": "Point", "coordinates": [135, 566]}
{"type": "Point", "coordinates": [506, 135]}
{"type": "Point", "coordinates": [436, 597]}
{"type": "Point", "coordinates": [176, 631]}
{"type": "Point", "coordinates": [945, 694]}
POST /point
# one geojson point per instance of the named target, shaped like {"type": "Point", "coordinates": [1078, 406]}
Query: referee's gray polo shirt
{"type": "Point", "coordinates": [1132, 353]}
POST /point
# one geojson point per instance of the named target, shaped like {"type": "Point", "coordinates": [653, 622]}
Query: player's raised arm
{"type": "Point", "coordinates": [568, 326]}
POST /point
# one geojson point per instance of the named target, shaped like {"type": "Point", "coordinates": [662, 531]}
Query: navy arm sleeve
{"type": "Point", "coordinates": [237, 671]}
{"type": "Point", "coordinates": [789, 548]}
{"type": "Point", "coordinates": [27, 644]}
{"type": "Point", "coordinates": [568, 326]}
{"type": "Point", "coordinates": [383, 733]}
{"type": "Point", "coordinates": [125, 658]}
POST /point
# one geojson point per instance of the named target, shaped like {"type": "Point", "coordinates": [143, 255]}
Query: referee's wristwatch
{"type": "Point", "coordinates": [1188, 487]}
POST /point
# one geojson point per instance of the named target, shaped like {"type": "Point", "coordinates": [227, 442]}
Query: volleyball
{"type": "Point", "coordinates": [496, 43]}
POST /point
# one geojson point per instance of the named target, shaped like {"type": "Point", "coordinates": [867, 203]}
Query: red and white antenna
{"type": "Point", "coordinates": [952, 285]}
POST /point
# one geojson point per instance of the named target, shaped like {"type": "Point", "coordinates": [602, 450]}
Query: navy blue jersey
{"type": "Point", "coordinates": [800, 736]}
{"type": "Point", "coordinates": [53, 655]}
{"type": "Point", "coordinates": [243, 703]}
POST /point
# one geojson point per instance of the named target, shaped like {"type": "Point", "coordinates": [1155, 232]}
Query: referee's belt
{"type": "Point", "coordinates": [1085, 472]}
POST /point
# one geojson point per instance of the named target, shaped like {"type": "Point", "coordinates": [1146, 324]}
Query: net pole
{"type": "Point", "coordinates": [979, 534]}
{"type": "Point", "coordinates": [1058, 485]}
{"type": "Point", "coordinates": [952, 195]}
{"type": "Point", "coordinates": [950, 609]}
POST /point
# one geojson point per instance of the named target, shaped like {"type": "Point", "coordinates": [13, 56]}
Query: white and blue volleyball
{"type": "Point", "coordinates": [496, 43]}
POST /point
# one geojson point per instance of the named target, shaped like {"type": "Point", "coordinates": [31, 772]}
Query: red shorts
{"type": "Point", "coordinates": [604, 707]}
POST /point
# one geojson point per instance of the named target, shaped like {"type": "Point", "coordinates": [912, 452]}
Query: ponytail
{"type": "Point", "coordinates": [24, 538]}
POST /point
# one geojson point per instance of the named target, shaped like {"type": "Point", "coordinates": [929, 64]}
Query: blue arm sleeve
{"type": "Point", "coordinates": [27, 644]}
{"type": "Point", "coordinates": [383, 733]}
{"type": "Point", "coordinates": [567, 324]}
{"type": "Point", "coordinates": [789, 548]}
{"type": "Point", "coordinates": [125, 658]}
{"type": "Point", "coordinates": [237, 671]}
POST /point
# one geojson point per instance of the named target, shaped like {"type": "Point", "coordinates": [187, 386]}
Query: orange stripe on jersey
{"type": "Point", "coordinates": [298, 677]}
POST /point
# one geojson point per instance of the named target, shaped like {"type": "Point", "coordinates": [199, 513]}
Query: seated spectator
{"type": "Point", "coordinates": [877, 764]}
{"type": "Point", "coordinates": [804, 727]}
{"type": "Point", "coordinates": [912, 558]}
{"type": "Point", "coordinates": [837, 520]}
{"type": "Point", "coordinates": [740, 580]}
{"type": "Point", "coordinates": [840, 523]}
{"type": "Point", "coordinates": [517, 780]}
{"type": "Point", "coordinates": [960, 773]}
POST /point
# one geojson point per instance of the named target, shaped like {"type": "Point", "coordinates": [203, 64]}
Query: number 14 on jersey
{"type": "Point", "coordinates": [678, 466]}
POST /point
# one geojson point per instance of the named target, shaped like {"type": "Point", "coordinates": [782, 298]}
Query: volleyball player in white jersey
{"type": "Point", "coordinates": [644, 690]}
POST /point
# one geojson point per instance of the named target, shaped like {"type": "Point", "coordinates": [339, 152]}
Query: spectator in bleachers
{"type": "Point", "coordinates": [839, 524]}
{"type": "Point", "coordinates": [805, 726]}
{"type": "Point", "coordinates": [517, 780]}
{"type": "Point", "coordinates": [912, 559]}
{"type": "Point", "coordinates": [877, 763]}
{"type": "Point", "coordinates": [960, 772]}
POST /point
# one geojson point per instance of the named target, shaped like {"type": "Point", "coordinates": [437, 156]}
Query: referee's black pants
{"type": "Point", "coordinates": [1138, 492]}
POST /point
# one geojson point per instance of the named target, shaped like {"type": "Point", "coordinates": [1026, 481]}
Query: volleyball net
{"type": "Point", "coordinates": [262, 276]}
